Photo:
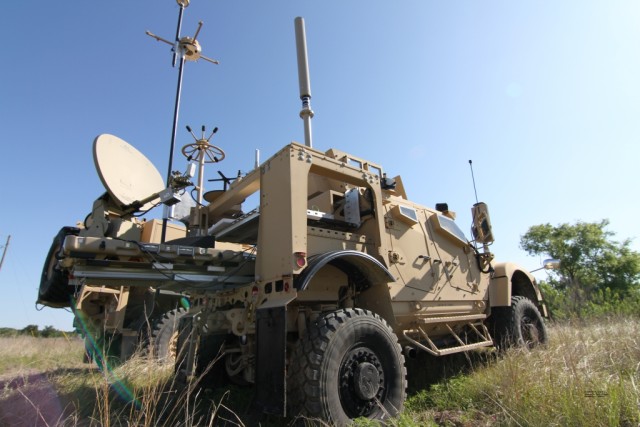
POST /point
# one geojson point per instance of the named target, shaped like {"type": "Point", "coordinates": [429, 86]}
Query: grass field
{"type": "Point", "coordinates": [588, 375]}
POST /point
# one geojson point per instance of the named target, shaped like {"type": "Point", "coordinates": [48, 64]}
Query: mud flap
{"type": "Point", "coordinates": [271, 356]}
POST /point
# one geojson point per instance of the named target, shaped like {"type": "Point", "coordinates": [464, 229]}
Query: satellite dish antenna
{"type": "Point", "coordinates": [125, 172]}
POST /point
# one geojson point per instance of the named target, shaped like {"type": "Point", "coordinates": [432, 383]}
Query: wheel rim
{"type": "Point", "coordinates": [362, 383]}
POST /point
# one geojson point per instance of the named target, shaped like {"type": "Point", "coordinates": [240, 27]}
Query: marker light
{"type": "Point", "coordinates": [301, 259]}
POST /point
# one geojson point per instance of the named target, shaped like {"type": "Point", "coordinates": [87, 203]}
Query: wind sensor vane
{"type": "Point", "coordinates": [187, 49]}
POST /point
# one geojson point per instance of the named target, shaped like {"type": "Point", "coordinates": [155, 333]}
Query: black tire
{"type": "Point", "coordinates": [54, 288]}
{"type": "Point", "coordinates": [333, 366]}
{"type": "Point", "coordinates": [163, 341]}
{"type": "Point", "coordinates": [520, 325]}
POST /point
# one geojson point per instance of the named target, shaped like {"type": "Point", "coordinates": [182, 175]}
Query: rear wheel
{"type": "Point", "coordinates": [348, 365]}
{"type": "Point", "coordinates": [163, 343]}
{"type": "Point", "coordinates": [520, 325]}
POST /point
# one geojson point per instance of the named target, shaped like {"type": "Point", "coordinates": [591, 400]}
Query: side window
{"type": "Point", "coordinates": [405, 214]}
{"type": "Point", "coordinates": [448, 228]}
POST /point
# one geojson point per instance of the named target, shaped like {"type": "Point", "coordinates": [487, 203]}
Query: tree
{"type": "Point", "coordinates": [49, 331]}
{"type": "Point", "coordinates": [30, 330]}
{"type": "Point", "coordinates": [589, 259]}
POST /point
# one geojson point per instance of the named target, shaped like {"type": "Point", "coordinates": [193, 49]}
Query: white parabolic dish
{"type": "Point", "coordinates": [125, 172]}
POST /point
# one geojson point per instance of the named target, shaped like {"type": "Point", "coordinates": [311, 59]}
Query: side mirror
{"type": "Point", "coordinates": [548, 264]}
{"type": "Point", "coordinates": [482, 232]}
{"type": "Point", "coordinates": [551, 264]}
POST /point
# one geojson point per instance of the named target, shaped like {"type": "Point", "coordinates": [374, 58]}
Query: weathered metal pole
{"type": "Point", "coordinates": [4, 252]}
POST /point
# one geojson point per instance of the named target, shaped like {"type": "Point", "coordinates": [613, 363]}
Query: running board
{"type": "Point", "coordinates": [477, 330]}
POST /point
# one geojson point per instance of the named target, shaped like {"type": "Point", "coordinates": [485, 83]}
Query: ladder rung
{"type": "Point", "coordinates": [482, 334]}
{"type": "Point", "coordinates": [459, 349]}
{"type": "Point", "coordinates": [451, 319]}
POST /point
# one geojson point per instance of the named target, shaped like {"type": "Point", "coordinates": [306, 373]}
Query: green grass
{"type": "Point", "coordinates": [587, 376]}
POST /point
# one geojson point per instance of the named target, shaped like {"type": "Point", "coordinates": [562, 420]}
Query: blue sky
{"type": "Point", "coordinates": [543, 96]}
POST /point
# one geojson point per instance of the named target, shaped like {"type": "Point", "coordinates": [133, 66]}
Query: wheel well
{"type": "Point", "coordinates": [356, 265]}
{"type": "Point", "coordinates": [510, 280]}
{"type": "Point", "coordinates": [361, 272]}
{"type": "Point", "coordinates": [522, 286]}
{"type": "Point", "coordinates": [146, 304]}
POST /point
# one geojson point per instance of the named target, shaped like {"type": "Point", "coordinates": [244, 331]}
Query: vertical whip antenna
{"type": "Point", "coordinates": [474, 180]}
{"type": "Point", "coordinates": [184, 49]}
{"type": "Point", "coordinates": [306, 114]}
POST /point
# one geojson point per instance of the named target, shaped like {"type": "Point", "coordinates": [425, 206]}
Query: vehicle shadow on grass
{"type": "Point", "coordinates": [86, 396]}
{"type": "Point", "coordinates": [39, 398]}
{"type": "Point", "coordinates": [425, 370]}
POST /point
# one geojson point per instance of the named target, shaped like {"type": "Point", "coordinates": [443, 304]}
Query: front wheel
{"type": "Point", "coordinates": [348, 365]}
{"type": "Point", "coordinates": [520, 325]}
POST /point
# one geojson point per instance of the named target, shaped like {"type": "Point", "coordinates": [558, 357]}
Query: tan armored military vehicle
{"type": "Point", "coordinates": [342, 278]}
{"type": "Point", "coordinates": [314, 298]}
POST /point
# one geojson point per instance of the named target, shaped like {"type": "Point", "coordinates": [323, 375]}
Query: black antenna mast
{"type": "Point", "coordinates": [474, 180]}
{"type": "Point", "coordinates": [184, 49]}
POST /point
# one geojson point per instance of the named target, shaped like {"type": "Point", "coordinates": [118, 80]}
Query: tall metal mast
{"type": "Point", "coordinates": [184, 49]}
{"type": "Point", "coordinates": [306, 114]}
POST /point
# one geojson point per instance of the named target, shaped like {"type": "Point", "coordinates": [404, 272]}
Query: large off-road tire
{"type": "Point", "coordinates": [163, 340]}
{"type": "Point", "coordinates": [348, 365]}
{"type": "Point", "coordinates": [54, 283]}
{"type": "Point", "coordinates": [520, 325]}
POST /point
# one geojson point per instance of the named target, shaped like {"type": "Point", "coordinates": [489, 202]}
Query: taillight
{"type": "Point", "coordinates": [301, 259]}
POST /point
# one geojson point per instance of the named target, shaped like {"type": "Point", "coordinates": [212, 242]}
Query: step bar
{"type": "Point", "coordinates": [474, 322]}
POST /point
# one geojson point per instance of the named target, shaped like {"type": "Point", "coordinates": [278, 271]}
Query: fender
{"type": "Point", "coordinates": [271, 325]}
{"type": "Point", "coordinates": [510, 279]}
{"type": "Point", "coordinates": [348, 261]}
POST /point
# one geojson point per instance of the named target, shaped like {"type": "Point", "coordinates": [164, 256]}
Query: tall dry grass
{"type": "Point", "coordinates": [588, 375]}
{"type": "Point", "coordinates": [44, 382]}
{"type": "Point", "coordinates": [146, 393]}
{"type": "Point", "coordinates": [24, 354]}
